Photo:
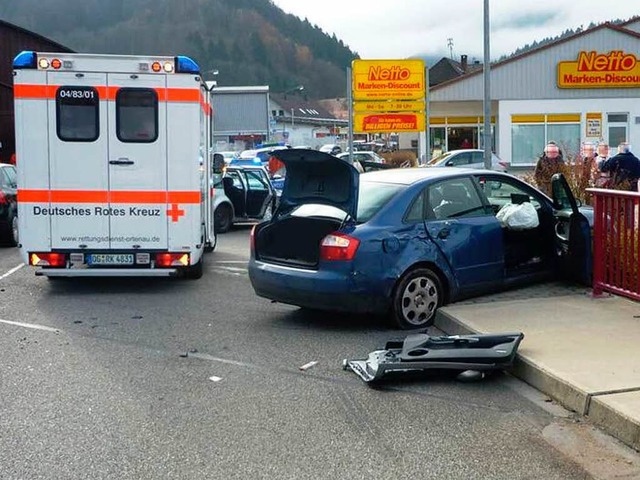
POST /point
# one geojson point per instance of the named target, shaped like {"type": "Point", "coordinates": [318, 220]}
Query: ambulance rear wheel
{"type": "Point", "coordinates": [194, 271]}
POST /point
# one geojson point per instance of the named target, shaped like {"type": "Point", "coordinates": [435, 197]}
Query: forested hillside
{"type": "Point", "coordinates": [250, 42]}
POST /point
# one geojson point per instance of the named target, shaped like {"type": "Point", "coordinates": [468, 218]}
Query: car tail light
{"type": "Point", "coordinates": [172, 259]}
{"type": "Point", "coordinates": [3, 198]}
{"type": "Point", "coordinates": [252, 239]}
{"type": "Point", "coordinates": [338, 246]}
{"type": "Point", "coordinates": [48, 259]}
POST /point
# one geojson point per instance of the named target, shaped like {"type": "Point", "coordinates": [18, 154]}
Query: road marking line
{"type": "Point", "coordinates": [31, 325]}
{"type": "Point", "coordinates": [215, 379]}
{"type": "Point", "coordinates": [13, 270]}
{"type": "Point", "coordinates": [233, 269]}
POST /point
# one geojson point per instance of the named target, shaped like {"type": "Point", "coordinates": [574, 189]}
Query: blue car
{"type": "Point", "coordinates": [404, 242]}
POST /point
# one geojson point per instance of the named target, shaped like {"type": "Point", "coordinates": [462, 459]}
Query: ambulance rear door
{"type": "Point", "coordinates": [138, 161]}
{"type": "Point", "coordinates": [78, 179]}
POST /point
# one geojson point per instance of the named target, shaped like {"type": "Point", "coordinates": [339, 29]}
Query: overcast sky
{"type": "Point", "coordinates": [404, 28]}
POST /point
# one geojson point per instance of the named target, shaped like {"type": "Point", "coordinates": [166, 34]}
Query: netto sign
{"type": "Point", "coordinates": [388, 79]}
{"type": "Point", "coordinates": [615, 69]}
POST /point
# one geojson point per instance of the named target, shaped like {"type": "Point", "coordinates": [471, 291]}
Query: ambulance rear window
{"type": "Point", "coordinates": [77, 116]}
{"type": "Point", "coordinates": [137, 115]}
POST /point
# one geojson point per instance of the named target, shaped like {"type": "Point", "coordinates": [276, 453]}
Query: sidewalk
{"type": "Point", "coordinates": [581, 351]}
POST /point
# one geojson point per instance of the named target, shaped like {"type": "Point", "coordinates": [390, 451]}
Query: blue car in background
{"type": "Point", "coordinates": [406, 241]}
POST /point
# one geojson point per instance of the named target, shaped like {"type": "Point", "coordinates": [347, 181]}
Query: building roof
{"type": "Point", "coordinates": [447, 69]}
{"type": "Point", "coordinates": [606, 25]}
{"type": "Point", "coordinates": [11, 26]}
{"type": "Point", "coordinates": [301, 108]}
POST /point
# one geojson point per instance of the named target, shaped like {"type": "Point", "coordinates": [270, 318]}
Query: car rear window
{"type": "Point", "coordinates": [373, 196]}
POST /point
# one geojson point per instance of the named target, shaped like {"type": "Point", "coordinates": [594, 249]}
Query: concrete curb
{"type": "Point", "coordinates": [596, 407]}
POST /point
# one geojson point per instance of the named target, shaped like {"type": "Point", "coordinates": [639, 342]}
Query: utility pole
{"type": "Point", "coordinates": [487, 90]}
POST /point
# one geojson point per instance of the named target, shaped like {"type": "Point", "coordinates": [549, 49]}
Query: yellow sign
{"type": "Point", "coordinates": [615, 69]}
{"type": "Point", "coordinates": [389, 106]}
{"type": "Point", "coordinates": [388, 122]}
{"type": "Point", "coordinates": [388, 79]}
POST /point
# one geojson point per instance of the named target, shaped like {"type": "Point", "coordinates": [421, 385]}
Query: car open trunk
{"type": "Point", "coordinates": [293, 241]}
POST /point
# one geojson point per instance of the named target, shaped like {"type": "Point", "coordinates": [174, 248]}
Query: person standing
{"type": "Point", "coordinates": [624, 168]}
{"type": "Point", "coordinates": [550, 163]}
{"type": "Point", "coordinates": [602, 155]}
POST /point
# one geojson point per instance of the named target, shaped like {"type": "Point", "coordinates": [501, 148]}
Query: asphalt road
{"type": "Point", "coordinates": [166, 378]}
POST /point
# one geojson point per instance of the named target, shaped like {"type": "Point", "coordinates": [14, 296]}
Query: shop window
{"type": "Point", "coordinates": [567, 136]}
{"type": "Point", "coordinates": [527, 142]}
{"type": "Point", "coordinates": [617, 128]}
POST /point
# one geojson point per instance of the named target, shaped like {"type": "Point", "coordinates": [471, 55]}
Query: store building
{"type": "Point", "coordinates": [581, 88]}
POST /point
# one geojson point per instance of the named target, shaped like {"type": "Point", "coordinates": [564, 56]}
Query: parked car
{"type": "Point", "coordinates": [259, 156]}
{"type": "Point", "coordinates": [407, 241]}
{"type": "Point", "coordinates": [229, 156]}
{"type": "Point", "coordinates": [468, 158]}
{"type": "Point", "coordinates": [243, 194]}
{"type": "Point", "coordinates": [331, 149]}
{"type": "Point", "coordinates": [363, 156]}
{"type": "Point", "coordinates": [8, 205]}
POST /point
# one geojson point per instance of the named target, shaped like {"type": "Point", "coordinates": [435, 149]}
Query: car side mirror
{"type": "Point", "coordinates": [449, 163]}
{"type": "Point", "coordinates": [218, 163]}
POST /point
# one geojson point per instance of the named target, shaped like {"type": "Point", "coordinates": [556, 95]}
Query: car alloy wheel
{"type": "Point", "coordinates": [417, 297]}
{"type": "Point", "coordinates": [222, 218]}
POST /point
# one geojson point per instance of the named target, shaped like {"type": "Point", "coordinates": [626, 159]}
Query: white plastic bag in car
{"type": "Point", "coordinates": [518, 217]}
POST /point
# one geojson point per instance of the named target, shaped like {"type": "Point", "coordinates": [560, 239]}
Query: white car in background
{"type": "Point", "coordinates": [467, 158]}
{"type": "Point", "coordinates": [364, 156]}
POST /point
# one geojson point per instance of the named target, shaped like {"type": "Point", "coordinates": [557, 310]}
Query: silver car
{"type": "Point", "coordinates": [468, 158]}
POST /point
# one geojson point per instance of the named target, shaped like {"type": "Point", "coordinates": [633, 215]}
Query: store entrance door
{"type": "Point", "coordinates": [462, 137]}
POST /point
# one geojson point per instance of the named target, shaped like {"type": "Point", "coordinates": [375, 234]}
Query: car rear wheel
{"type": "Point", "coordinates": [15, 234]}
{"type": "Point", "coordinates": [416, 299]}
{"type": "Point", "coordinates": [222, 218]}
{"type": "Point", "coordinates": [9, 231]}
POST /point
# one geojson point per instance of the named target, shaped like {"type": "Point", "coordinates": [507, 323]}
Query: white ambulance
{"type": "Point", "coordinates": [114, 164]}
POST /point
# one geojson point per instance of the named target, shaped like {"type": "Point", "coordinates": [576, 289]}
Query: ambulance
{"type": "Point", "coordinates": [114, 164]}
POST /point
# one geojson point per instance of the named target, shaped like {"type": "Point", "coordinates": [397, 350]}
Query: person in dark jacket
{"type": "Point", "coordinates": [550, 163]}
{"type": "Point", "coordinates": [624, 169]}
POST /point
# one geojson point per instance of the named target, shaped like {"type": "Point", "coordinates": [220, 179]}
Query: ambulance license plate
{"type": "Point", "coordinates": [110, 259]}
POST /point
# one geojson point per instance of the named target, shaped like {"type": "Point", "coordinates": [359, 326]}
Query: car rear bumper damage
{"type": "Point", "coordinates": [322, 290]}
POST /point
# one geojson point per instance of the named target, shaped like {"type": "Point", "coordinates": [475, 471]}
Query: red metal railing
{"type": "Point", "coordinates": [616, 242]}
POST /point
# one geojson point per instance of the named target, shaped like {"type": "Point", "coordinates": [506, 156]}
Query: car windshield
{"type": "Point", "coordinates": [439, 158]}
{"type": "Point", "coordinates": [373, 196]}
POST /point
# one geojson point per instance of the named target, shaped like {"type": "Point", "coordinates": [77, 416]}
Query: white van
{"type": "Point", "coordinates": [110, 181]}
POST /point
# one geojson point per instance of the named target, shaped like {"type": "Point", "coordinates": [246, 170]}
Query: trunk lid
{"type": "Point", "coordinates": [315, 177]}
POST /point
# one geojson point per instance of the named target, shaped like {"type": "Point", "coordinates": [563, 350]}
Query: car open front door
{"type": "Point", "coordinates": [573, 233]}
{"type": "Point", "coordinates": [138, 162]}
{"type": "Point", "coordinates": [258, 192]}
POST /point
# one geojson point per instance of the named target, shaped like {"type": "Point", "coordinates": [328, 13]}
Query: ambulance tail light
{"type": "Point", "coordinates": [25, 59]}
{"type": "Point", "coordinates": [186, 65]}
{"type": "Point", "coordinates": [252, 239]}
{"type": "Point", "coordinates": [56, 63]}
{"type": "Point", "coordinates": [165, 260]}
{"type": "Point", "coordinates": [48, 259]}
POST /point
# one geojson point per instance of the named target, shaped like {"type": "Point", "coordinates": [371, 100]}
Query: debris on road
{"type": "Point", "coordinates": [471, 355]}
{"type": "Point", "coordinates": [215, 379]}
{"type": "Point", "coordinates": [307, 366]}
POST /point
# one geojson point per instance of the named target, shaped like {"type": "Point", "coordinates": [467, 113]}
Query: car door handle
{"type": "Point", "coordinates": [121, 161]}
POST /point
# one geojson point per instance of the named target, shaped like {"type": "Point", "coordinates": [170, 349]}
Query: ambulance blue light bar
{"type": "Point", "coordinates": [25, 59]}
{"type": "Point", "coordinates": [186, 65]}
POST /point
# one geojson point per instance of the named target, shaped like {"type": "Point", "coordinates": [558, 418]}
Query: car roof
{"type": "Point", "coordinates": [407, 176]}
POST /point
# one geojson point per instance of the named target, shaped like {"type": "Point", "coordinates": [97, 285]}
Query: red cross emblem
{"type": "Point", "coordinates": [175, 213]}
